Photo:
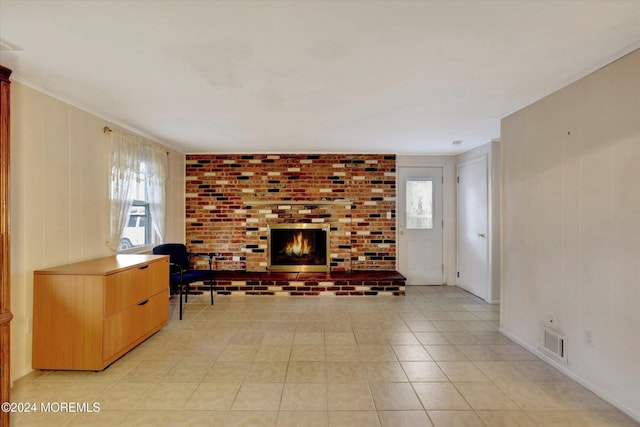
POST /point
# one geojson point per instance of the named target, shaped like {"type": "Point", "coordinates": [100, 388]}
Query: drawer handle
{"type": "Point", "coordinates": [143, 302]}
{"type": "Point", "coordinates": [143, 267]}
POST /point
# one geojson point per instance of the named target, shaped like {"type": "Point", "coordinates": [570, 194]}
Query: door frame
{"type": "Point", "coordinates": [487, 247]}
{"type": "Point", "coordinates": [438, 206]}
{"type": "Point", "coordinates": [448, 165]}
{"type": "Point", "coordinates": [492, 151]}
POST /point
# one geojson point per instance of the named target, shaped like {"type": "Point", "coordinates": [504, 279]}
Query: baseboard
{"type": "Point", "coordinates": [15, 376]}
{"type": "Point", "coordinates": [563, 368]}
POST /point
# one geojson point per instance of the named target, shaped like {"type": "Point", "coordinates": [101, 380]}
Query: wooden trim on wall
{"type": "Point", "coordinates": [5, 260]}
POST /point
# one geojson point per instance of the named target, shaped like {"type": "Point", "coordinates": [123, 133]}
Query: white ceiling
{"type": "Point", "coordinates": [405, 77]}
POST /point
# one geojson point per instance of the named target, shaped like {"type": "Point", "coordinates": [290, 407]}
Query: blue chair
{"type": "Point", "coordinates": [181, 275]}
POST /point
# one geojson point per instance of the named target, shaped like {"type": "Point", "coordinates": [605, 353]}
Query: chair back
{"type": "Point", "coordinates": [177, 253]}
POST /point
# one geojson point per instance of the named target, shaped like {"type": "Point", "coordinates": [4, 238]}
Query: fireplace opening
{"type": "Point", "coordinates": [298, 247]}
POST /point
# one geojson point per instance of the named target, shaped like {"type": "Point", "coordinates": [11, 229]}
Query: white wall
{"type": "Point", "coordinates": [571, 226]}
{"type": "Point", "coordinates": [491, 151]}
{"type": "Point", "coordinates": [448, 165]}
{"type": "Point", "coordinates": [59, 199]}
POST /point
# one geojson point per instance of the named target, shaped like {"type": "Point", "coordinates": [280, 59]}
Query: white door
{"type": "Point", "coordinates": [473, 236]}
{"type": "Point", "coordinates": [420, 225]}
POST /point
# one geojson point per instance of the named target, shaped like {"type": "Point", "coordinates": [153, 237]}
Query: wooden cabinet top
{"type": "Point", "coordinates": [102, 266]}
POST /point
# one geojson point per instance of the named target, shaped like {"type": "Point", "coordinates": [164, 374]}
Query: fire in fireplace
{"type": "Point", "coordinates": [298, 247]}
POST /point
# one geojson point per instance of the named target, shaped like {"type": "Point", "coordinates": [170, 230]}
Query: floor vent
{"type": "Point", "coordinates": [553, 344]}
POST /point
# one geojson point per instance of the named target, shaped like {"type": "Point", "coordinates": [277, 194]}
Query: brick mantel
{"type": "Point", "coordinates": [230, 199]}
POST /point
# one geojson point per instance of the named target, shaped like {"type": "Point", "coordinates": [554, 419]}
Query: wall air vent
{"type": "Point", "coordinates": [552, 344]}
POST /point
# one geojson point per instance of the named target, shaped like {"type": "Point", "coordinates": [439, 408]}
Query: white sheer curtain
{"type": "Point", "coordinates": [132, 159]}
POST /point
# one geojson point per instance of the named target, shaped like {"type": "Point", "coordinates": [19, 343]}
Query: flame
{"type": "Point", "coordinates": [299, 246]}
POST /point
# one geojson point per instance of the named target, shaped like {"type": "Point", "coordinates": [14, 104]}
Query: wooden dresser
{"type": "Point", "coordinates": [88, 314]}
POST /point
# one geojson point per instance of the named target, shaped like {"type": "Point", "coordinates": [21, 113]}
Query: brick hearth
{"type": "Point", "coordinates": [308, 284]}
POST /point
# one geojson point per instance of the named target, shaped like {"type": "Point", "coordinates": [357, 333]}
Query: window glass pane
{"type": "Point", "coordinates": [419, 207]}
{"type": "Point", "coordinates": [138, 230]}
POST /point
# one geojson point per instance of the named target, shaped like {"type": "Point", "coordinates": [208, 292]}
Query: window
{"type": "Point", "coordinates": [138, 229]}
{"type": "Point", "coordinates": [137, 192]}
{"type": "Point", "coordinates": [419, 203]}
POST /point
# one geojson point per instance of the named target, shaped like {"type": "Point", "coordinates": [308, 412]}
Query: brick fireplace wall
{"type": "Point", "coordinates": [230, 199]}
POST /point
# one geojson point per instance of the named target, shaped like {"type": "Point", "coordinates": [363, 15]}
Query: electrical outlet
{"type": "Point", "coordinates": [388, 214]}
{"type": "Point", "coordinates": [236, 258]}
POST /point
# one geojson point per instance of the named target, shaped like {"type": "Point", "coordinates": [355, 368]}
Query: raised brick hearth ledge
{"type": "Point", "coordinates": [309, 284]}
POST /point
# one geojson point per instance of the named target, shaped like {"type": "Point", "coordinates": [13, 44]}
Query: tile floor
{"type": "Point", "coordinates": [431, 358]}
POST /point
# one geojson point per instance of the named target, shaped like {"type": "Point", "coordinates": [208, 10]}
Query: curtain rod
{"type": "Point", "coordinates": [107, 129]}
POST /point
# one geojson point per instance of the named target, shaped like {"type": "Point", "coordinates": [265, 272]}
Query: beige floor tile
{"type": "Point", "coordinates": [401, 338]}
{"type": "Point", "coordinates": [239, 353]}
{"type": "Point", "coordinates": [377, 353]}
{"type": "Point", "coordinates": [304, 396]}
{"type": "Point", "coordinates": [422, 326]}
{"type": "Point", "coordinates": [485, 396]}
{"type": "Point", "coordinates": [258, 397]}
{"type": "Point", "coordinates": [353, 419]}
{"type": "Point", "coordinates": [394, 397]}
{"type": "Point", "coordinates": [440, 396]}
{"type": "Point", "coordinates": [404, 419]}
{"type": "Point", "coordinates": [445, 353]}
{"type": "Point", "coordinates": [411, 353]}
{"type": "Point", "coordinates": [455, 419]}
{"type": "Point", "coordinates": [43, 419]}
{"type": "Point", "coordinates": [187, 372]}
{"type": "Point", "coordinates": [342, 353]}
{"type": "Point", "coordinates": [167, 396]}
{"type": "Point", "coordinates": [450, 326]}
{"type": "Point", "coordinates": [277, 338]}
{"type": "Point", "coordinates": [250, 419]}
{"type": "Point", "coordinates": [423, 371]}
{"type": "Point", "coordinates": [349, 397]}
{"type": "Point", "coordinates": [213, 397]}
{"type": "Point", "coordinates": [81, 392]}
{"type": "Point", "coordinates": [513, 352]}
{"type": "Point", "coordinates": [273, 353]}
{"type": "Point", "coordinates": [506, 419]}
{"type": "Point", "coordinates": [384, 372]}
{"type": "Point", "coordinates": [539, 371]}
{"type": "Point", "coordinates": [530, 396]}
{"type": "Point", "coordinates": [308, 338]}
{"type": "Point", "coordinates": [267, 372]}
{"type": "Point", "coordinates": [479, 352]}
{"type": "Point", "coordinates": [227, 372]}
{"type": "Point", "coordinates": [306, 372]}
{"type": "Point", "coordinates": [501, 371]}
{"type": "Point", "coordinates": [462, 371]}
{"type": "Point", "coordinates": [303, 418]}
{"type": "Point", "coordinates": [339, 338]}
{"type": "Point", "coordinates": [95, 419]}
{"type": "Point", "coordinates": [607, 419]}
{"type": "Point", "coordinates": [463, 338]}
{"type": "Point", "coordinates": [574, 396]}
{"type": "Point", "coordinates": [307, 353]}
{"type": "Point", "coordinates": [382, 360]}
{"type": "Point", "coordinates": [149, 371]}
{"type": "Point", "coordinates": [346, 372]}
{"type": "Point", "coordinates": [432, 338]}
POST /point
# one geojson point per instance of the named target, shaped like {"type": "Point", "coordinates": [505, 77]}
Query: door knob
{"type": "Point", "coordinates": [481, 235]}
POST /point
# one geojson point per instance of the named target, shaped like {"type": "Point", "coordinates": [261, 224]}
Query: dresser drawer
{"type": "Point", "coordinates": [127, 326]}
{"type": "Point", "coordinates": [129, 287]}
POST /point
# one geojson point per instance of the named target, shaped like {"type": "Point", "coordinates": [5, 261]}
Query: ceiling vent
{"type": "Point", "coordinates": [552, 344]}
